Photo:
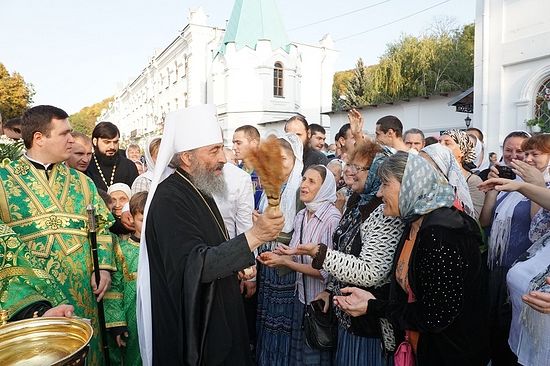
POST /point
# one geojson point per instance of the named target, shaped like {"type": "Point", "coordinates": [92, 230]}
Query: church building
{"type": "Point", "coordinates": [251, 71]}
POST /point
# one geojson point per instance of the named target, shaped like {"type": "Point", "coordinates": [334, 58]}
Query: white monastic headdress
{"type": "Point", "coordinates": [184, 130]}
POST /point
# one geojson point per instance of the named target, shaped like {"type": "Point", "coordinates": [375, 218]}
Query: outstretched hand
{"type": "Point", "coordinates": [500, 184]}
{"type": "Point", "coordinates": [271, 259]}
{"type": "Point", "coordinates": [301, 249]}
{"type": "Point", "coordinates": [356, 301]}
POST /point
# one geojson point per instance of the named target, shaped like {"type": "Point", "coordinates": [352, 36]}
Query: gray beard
{"type": "Point", "coordinates": [207, 182]}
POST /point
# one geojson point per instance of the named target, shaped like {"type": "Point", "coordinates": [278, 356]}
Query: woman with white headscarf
{"type": "Point", "coordinates": [314, 224]}
{"type": "Point", "coordinates": [446, 163]}
{"type": "Point", "coordinates": [276, 286]}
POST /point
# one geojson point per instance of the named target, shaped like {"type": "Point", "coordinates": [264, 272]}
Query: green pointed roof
{"type": "Point", "coordinates": [254, 20]}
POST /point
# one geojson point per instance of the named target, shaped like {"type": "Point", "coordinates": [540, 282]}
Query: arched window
{"type": "Point", "coordinates": [542, 100]}
{"type": "Point", "coordinates": [278, 80]}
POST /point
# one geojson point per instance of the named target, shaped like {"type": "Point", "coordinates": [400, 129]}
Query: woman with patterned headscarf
{"type": "Point", "coordinates": [436, 291]}
{"type": "Point", "coordinates": [444, 162]}
{"type": "Point", "coordinates": [463, 150]}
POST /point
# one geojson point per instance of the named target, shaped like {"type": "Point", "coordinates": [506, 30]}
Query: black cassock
{"type": "Point", "coordinates": [197, 310]}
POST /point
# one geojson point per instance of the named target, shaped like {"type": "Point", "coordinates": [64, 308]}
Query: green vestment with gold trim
{"type": "Point", "coordinates": [22, 280]}
{"type": "Point", "coordinates": [120, 300]}
{"type": "Point", "coordinates": [50, 217]}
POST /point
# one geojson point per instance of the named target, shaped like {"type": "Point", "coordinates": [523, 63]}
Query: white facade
{"type": "Point", "coordinates": [431, 115]}
{"type": "Point", "coordinates": [512, 60]}
{"type": "Point", "coordinates": [191, 71]}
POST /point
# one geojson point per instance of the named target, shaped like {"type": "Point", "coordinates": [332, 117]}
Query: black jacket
{"type": "Point", "coordinates": [446, 276]}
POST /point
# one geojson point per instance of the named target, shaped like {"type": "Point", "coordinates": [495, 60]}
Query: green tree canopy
{"type": "Point", "coordinates": [15, 94]}
{"type": "Point", "coordinates": [416, 66]}
{"type": "Point", "coordinates": [84, 120]}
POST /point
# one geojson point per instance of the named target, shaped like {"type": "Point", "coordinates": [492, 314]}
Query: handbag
{"type": "Point", "coordinates": [404, 355]}
{"type": "Point", "coordinates": [320, 329]}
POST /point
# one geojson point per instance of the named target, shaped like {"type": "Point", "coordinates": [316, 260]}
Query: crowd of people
{"type": "Point", "coordinates": [414, 249]}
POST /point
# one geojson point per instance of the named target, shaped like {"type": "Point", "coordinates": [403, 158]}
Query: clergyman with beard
{"type": "Point", "coordinates": [108, 166]}
{"type": "Point", "coordinates": [189, 307]}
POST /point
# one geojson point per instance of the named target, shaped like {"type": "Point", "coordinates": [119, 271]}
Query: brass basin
{"type": "Point", "coordinates": [45, 341]}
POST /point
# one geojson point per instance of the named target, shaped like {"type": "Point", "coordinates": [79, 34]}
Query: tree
{"type": "Point", "coordinates": [339, 87]}
{"type": "Point", "coordinates": [15, 94]}
{"type": "Point", "coordinates": [438, 62]}
{"type": "Point", "coordinates": [84, 120]}
{"type": "Point", "coordinates": [357, 94]}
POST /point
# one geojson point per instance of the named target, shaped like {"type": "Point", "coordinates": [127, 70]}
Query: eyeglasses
{"type": "Point", "coordinates": [358, 167]}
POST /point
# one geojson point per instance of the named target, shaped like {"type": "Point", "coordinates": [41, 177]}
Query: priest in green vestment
{"type": "Point", "coordinates": [44, 202]}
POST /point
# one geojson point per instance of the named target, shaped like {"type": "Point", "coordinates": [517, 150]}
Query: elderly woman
{"type": "Point", "coordinates": [276, 286]}
{"type": "Point", "coordinates": [314, 224]}
{"type": "Point", "coordinates": [435, 292]}
{"type": "Point", "coordinates": [464, 152]}
{"type": "Point", "coordinates": [120, 195]}
{"type": "Point", "coordinates": [364, 245]}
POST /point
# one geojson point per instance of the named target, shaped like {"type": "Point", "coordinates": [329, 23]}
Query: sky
{"type": "Point", "coordinates": [77, 52]}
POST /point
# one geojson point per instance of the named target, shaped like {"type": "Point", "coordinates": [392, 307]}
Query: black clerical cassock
{"type": "Point", "coordinates": [197, 311]}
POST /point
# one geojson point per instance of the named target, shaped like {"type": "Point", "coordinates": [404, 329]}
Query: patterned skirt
{"type": "Point", "coordinates": [274, 316]}
{"type": "Point", "coordinates": [300, 352]}
{"type": "Point", "coordinates": [360, 351]}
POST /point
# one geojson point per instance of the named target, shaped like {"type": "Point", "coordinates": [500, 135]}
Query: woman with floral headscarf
{"type": "Point", "coordinates": [444, 162]}
{"type": "Point", "coordinates": [276, 286]}
{"type": "Point", "coordinates": [364, 244]}
{"type": "Point", "coordinates": [435, 294]}
{"type": "Point", "coordinates": [464, 151]}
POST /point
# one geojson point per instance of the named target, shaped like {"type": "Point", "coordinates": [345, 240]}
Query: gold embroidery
{"type": "Point", "coordinates": [22, 271]}
{"type": "Point", "coordinates": [128, 276]}
{"type": "Point", "coordinates": [53, 222]}
{"type": "Point", "coordinates": [115, 324]}
{"type": "Point", "coordinates": [21, 168]}
{"type": "Point", "coordinates": [113, 295]}
{"type": "Point", "coordinates": [4, 211]}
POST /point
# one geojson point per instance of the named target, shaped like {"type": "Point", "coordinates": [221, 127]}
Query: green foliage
{"type": "Point", "coordinates": [359, 87]}
{"type": "Point", "coordinates": [339, 87]}
{"type": "Point", "coordinates": [15, 94]}
{"type": "Point", "coordinates": [542, 121]}
{"type": "Point", "coordinates": [84, 120]}
{"type": "Point", "coordinates": [416, 66]}
{"type": "Point", "coordinates": [10, 149]}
